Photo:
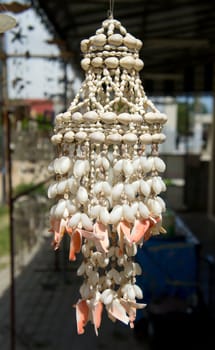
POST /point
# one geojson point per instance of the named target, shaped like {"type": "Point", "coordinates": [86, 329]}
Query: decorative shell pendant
{"type": "Point", "coordinates": [108, 176]}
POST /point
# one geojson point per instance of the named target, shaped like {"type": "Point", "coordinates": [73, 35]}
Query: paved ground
{"type": "Point", "coordinates": [45, 319]}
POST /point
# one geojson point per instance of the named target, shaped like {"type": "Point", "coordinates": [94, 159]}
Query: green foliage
{"type": "Point", "coordinates": [29, 188]}
{"type": "Point", "coordinates": [43, 123]}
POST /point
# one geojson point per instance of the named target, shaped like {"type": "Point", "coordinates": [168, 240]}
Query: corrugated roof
{"type": "Point", "coordinates": [178, 36]}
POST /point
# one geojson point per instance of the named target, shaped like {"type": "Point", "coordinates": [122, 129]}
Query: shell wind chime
{"type": "Point", "coordinates": [108, 176]}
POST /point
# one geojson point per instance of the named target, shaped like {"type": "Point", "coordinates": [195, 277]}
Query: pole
{"type": "Point", "coordinates": [11, 228]}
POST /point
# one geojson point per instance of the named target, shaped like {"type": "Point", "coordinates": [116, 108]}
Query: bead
{"type": "Point", "coordinates": [130, 41]}
{"type": "Point", "coordinates": [81, 136]}
{"type": "Point", "coordinates": [124, 118]}
{"type": "Point", "coordinates": [84, 45]}
{"type": "Point", "coordinates": [115, 39]}
{"type": "Point", "coordinates": [85, 63]}
{"type": "Point", "coordinates": [114, 138]}
{"type": "Point", "coordinates": [77, 117]}
{"type": "Point", "coordinates": [69, 136]}
{"type": "Point", "coordinates": [146, 139]}
{"type": "Point", "coordinates": [90, 116]}
{"type": "Point", "coordinates": [99, 40]}
{"type": "Point", "coordinates": [97, 137]}
{"type": "Point", "coordinates": [108, 117]}
{"type": "Point", "coordinates": [130, 138]}
{"type": "Point", "coordinates": [138, 64]}
{"type": "Point", "coordinates": [97, 62]}
{"type": "Point", "coordinates": [158, 138]}
{"type": "Point", "coordinates": [112, 62]}
{"type": "Point", "coordinates": [127, 62]}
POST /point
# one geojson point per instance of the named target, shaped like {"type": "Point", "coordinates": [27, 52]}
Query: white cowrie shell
{"type": "Point", "coordinates": [137, 118]}
{"type": "Point", "coordinates": [161, 202]}
{"type": "Point", "coordinates": [97, 62]}
{"type": "Point", "coordinates": [99, 40]}
{"type": "Point", "coordinates": [56, 139]}
{"type": "Point", "coordinates": [129, 191]}
{"type": "Point", "coordinates": [130, 138]}
{"type": "Point", "coordinates": [90, 116]}
{"type": "Point", "coordinates": [94, 211]}
{"type": "Point", "coordinates": [52, 210]}
{"type": "Point", "coordinates": [159, 165]}
{"type": "Point", "coordinates": [86, 222]}
{"type": "Point", "coordinates": [82, 195]}
{"type": "Point", "coordinates": [143, 210]}
{"type": "Point", "coordinates": [156, 185]}
{"type": "Point", "coordinates": [72, 184]}
{"type": "Point", "coordinates": [136, 164]}
{"type": "Point", "coordinates": [75, 219]}
{"type": "Point", "coordinates": [136, 185]}
{"type": "Point", "coordinates": [71, 207]}
{"type": "Point", "coordinates": [130, 41]}
{"type": "Point", "coordinates": [138, 64]}
{"type": "Point", "coordinates": [127, 167]}
{"type": "Point", "coordinates": [104, 216]}
{"type": "Point", "coordinates": [84, 45]}
{"type": "Point", "coordinates": [52, 190]}
{"type": "Point", "coordinates": [138, 292]}
{"type": "Point", "coordinates": [117, 191]}
{"type": "Point", "coordinates": [131, 250]}
{"type": "Point", "coordinates": [85, 250]}
{"type": "Point", "coordinates": [145, 188]}
{"type": "Point", "coordinates": [138, 270]}
{"type": "Point", "coordinates": [61, 206]}
{"type": "Point", "coordinates": [131, 292]}
{"type": "Point", "coordinates": [105, 163]}
{"type": "Point", "coordinates": [77, 117]}
{"type": "Point", "coordinates": [128, 213]}
{"type": "Point", "coordinates": [127, 62]}
{"type": "Point", "coordinates": [85, 64]}
{"type": "Point", "coordinates": [116, 214]}
{"type": "Point", "coordinates": [146, 139]}
{"type": "Point", "coordinates": [111, 62]}
{"type": "Point", "coordinates": [118, 167]}
{"type": "Point", "coordinates": [108, 117]}
{"type": "Point", "coordinates": [97, 137]}
{"type": "Point", "coordinates": [154, 207]}
{"type": "Point", "coordinates": [97, 188]}
{"type": "Point", "coordinates": [61, 186]}
{"type": "Point", "coordinates": [62, 165]}
{"type": "Point", "coordinates": [106, 188]}
{"type": "Point", "coordinates": [115, 39]}
{"type": "Point", "coordinates": [146, 164]}
{"type": "Point", "coordinates": [51, 167]}
{"type": "Point", "coordinates": [69, 136]}
{"type": "Point", "coordinates": [81, 167]}
{"type": "Point", "coordinates": [114, 138]}
{"type": "Point", "coordinates": [107, 296]}
{"type": "Point", "coordinates": [98, 162]}
{"type": "Point", "coordinates": [81, 136]}
{"type": "Point", "coordinates": [124, 118]}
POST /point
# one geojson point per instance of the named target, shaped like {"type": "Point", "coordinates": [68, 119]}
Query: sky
{"type": "Point", "coordinates": [33, 78]}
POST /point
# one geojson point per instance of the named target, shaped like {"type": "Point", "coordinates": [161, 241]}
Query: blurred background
{"type": "Point", "coordinates": [40, 74]}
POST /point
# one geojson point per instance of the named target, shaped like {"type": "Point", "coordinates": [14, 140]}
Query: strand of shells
{"type": "Point", "coordinates": [108, 175]}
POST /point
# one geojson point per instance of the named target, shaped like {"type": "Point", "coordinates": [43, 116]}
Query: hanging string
{"type": "Point", "coordinates": [111, 8]}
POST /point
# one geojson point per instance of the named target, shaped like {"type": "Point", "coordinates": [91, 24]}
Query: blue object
{"type": "Point", "coordinates": [169, 268]}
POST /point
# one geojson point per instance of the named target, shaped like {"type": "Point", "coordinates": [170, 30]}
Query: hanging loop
{"type": "Point", "coordinates": [111, 8]}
